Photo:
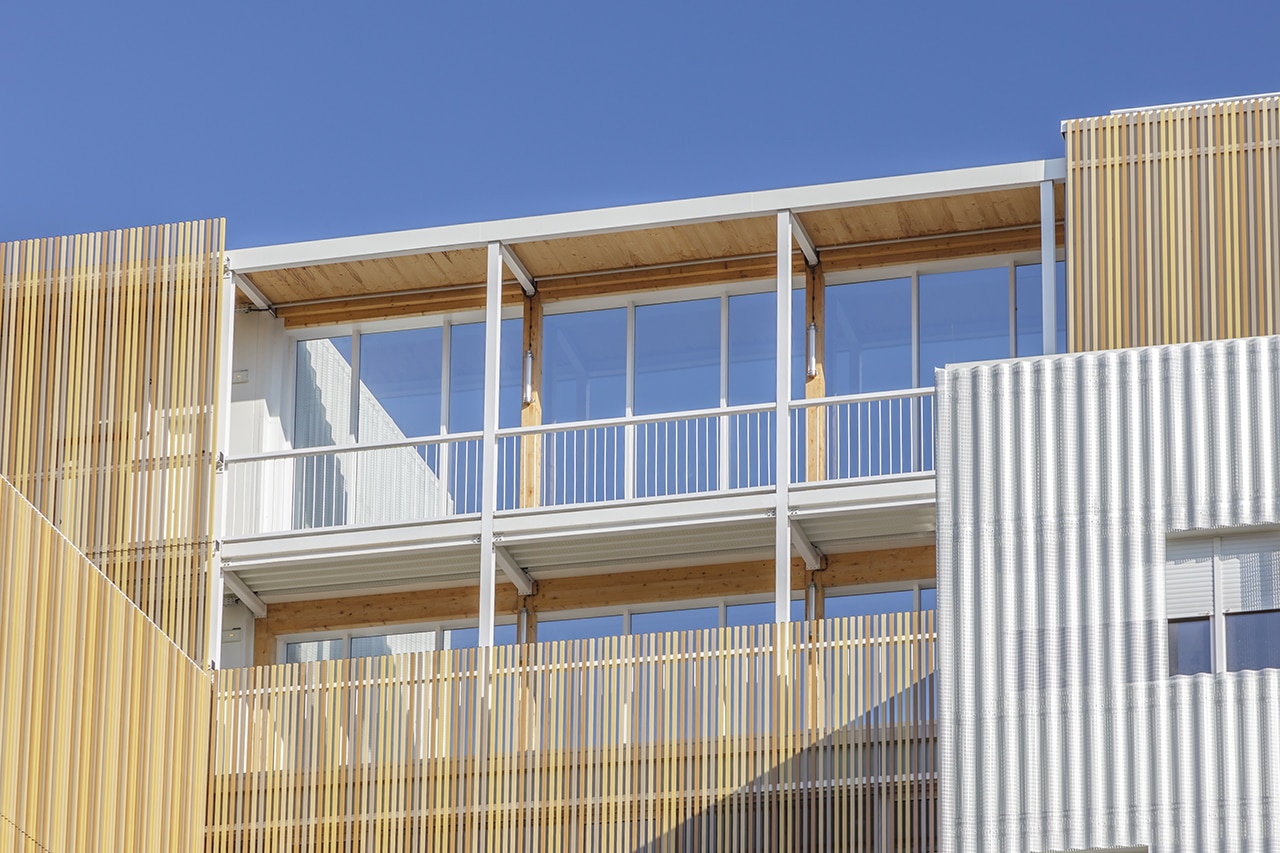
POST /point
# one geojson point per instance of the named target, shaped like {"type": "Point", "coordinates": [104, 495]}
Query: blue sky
{"type": "Point", "coordinates": [308, 120]}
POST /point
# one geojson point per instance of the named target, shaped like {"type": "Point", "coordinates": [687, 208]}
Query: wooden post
{"type": "Point", "coordinates": [815, 387]}
{"type": "Point", "coordinates": [531, 412]}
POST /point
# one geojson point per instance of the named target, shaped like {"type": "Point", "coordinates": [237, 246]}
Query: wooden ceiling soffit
{"type": "Point", "coordinates": [927, 217]}
{"type": "Point", "coordinates": [922, 250]}
{"type": "Point", "coordinates": [399, 274]}
{"type": "Point", "coordinates": [387, 306]}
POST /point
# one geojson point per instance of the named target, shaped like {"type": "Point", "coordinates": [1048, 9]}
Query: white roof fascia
{"type": "Point", "coordinates": [657, 214]}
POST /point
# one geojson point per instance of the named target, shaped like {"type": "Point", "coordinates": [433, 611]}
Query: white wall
{"type": "Point", "coordinates": [1059, 481]}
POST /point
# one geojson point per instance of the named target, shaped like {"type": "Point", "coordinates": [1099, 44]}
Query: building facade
{"type": "Point", "coordinates": [669, 526]}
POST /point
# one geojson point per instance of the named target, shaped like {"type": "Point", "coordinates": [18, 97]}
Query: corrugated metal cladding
{"type": "Point", "coordinates": [1059, 480]}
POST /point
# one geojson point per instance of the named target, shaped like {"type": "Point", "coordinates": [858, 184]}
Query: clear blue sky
{"type": "Point", "coordinates": [307, 120]}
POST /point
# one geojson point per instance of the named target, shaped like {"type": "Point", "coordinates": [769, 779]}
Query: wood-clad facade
{"type": "Point", "coordinates": [1173, 224]}
{"type": "Point", "coordinates": [813, 736]}
{"type": "Point", "coordinates": [109, 353]}
{"type": "Point", "coordinates": [104, 721]}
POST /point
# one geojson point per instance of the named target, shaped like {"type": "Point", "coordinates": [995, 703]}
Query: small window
{"type": "Point", "coordinates": [1253, 640]}
{"type": "Point", "coordinates": [759, 613]}
{"type": "Point", "coordinates": [1189, 647]}
{"type": "Point", "coordinates": [870, 603]}
{"type": "Point", "coordinates": [580, 629]}
{"type": "Point", "coordinates": [469, 638]}
{"type": "Point", "coordinates": [928, 598]}
{"type": "Point", "coordinates": [312, 650]}
{"type": "Point", "coordinates": [393, 644]}
{"type": "Point", "coordinates": [675, 620]}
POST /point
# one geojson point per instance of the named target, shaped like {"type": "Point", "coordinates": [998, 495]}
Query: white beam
{"type": "Point", "coordinates": [247, 596]}
{"type": "Point", "coordinates": [1048, 268]}
{"type": "Point", "coordinates": [803, 240]}
{"type": "Point", "coordinates": [489, 458]}
{"type": "Point", "coordinates": [514, 573]}
{"type": "Point", "coordinates": [633, 217]}
{"type": "Point", "coordinates": [782, 429]}
{"type": "Point", "coordinates": [806, 549]}
{"type": "Point", "coordinates": [250, 290]}
{"type": "Point", "coordinates": [518, 269]}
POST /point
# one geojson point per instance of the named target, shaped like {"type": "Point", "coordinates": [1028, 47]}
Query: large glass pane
{"type": "Point", "coordinates": [584, 377]}
{"type": "Point", "coordinates": [751, 348]}
{"type": "Point", "coordinates": [868, 337]}
{"type": "Point", "coordinates": [310, 650]}
{"type": "Point", "coordinates": [689, 619]}
{"type": "Point", "coordinates": [466, 409]}
{"type": "Point", "coordinates": [759, 613]}
{"type": "Point", "coordinates": [469, 638]}
{"type": "Point", "coordinates": [322, 401]}
{"type": "Point", "coordinates": [869, 604]}
{"type": "Point", "coordinates": [1189, 647]}
{"type": "Point", "coordinates": [677, 366]}
{"type": "Point", "coordinates": [929, 598]}
{"type": "Point", "coordinates": [1029, 309]}
{"type": "Point", "coordinates": [579, 629]}
{"type": "Point", "coordinates": [964, 316]}
{"type": "Point", "coordinates": [393, 644]}
{"type": "Point", "coordinates": [399, 398]}
{"type": "Point", "coordinates": [1253, 640]}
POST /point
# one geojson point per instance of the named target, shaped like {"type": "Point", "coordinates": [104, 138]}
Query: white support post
{"type": "Point", "coordinates": [629, 449]}
{"type": "Point", "coordinates": [722, 432]}
{"type": "Point", "coordinates": [221, 488]}
{"type": "Point", "coordinates": [782, 462]}
{"type": "Point", "coordinates": [1048, 268]}
{"type": "Point", "coordinates": [489, 457]}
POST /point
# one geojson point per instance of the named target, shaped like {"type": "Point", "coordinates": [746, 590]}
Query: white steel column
{"type": "Point", "coordinates": [222, 446]}
{"type": "Point", "coordinates": [782, 462]}
{"type": "Point", "coordinates": [489, 454]}
{"type": "Point", "coordinates": [1048, 268]}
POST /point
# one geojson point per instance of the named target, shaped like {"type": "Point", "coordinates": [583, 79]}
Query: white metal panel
{"type": "Point", "coordinates": [1059, 482]}
{"type": "Point", "coordinates": [1249, 571]}
{"type": "Point", "coordinates": [1188, 578]}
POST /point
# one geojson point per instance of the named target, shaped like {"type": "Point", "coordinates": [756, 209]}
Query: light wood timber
{"type": "Point", "coordinates": [104, 721]}
{"type": "Point", "coordinates": [109, 357]}
{"type": "Point", "coordinates": [531, 412]}
{"type": "Point", "coordinates": [582, 592]}
{"type": "Point", "coordinates": [815, 315]}
{"type": "Point", "coordinates": [1173, 215]}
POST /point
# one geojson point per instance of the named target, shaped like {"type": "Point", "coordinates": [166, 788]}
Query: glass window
{"type": "Point", "coordinates": [751, 348]}
{"type": "Point", "coordinates": [1253, 640]}
{"type": "Point", "coordinates": [688, 619]}
{"type": "Point", "coordinates": [584, 365]}
{"type": "Point", "coordinates": [870, 604]}
{"type": "Point", "coordinates": [466, 375]}
{"type": "Point", "coordinates": [759, 613]}
{"type": "Point", "coordinates": [322, 401]}
{"type": "Point", "coordinates": [310, 650]}
{"type": "Point", "coordinates": [677, 356]}
{"type": "Point", "coordinates": [964, 316]}
{"type": "Point", "coordinates": [579, 629]}
{"type": "Point", "coordinates": [868, 337]}
{"type": "Point", "coordinates": [400, 375]}
{"type": "Point", "coordinates": [1189, 647]}
{"type": "Point", "coordinates": [928, 598]}
{"type": "Point", "coordinates": [469, 638]}
{"type": "Point", "coordinates": [393, 644]}
{"type": "Point", "coordinates": [1029, 316]}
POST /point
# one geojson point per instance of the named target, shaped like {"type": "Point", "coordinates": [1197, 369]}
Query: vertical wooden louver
{"type": "Point", "coordinates": [108, 358]}
{"type": "Point", "coordinates": [104, 722]}
{"type": "Point", "coordinates": [1173, 224]}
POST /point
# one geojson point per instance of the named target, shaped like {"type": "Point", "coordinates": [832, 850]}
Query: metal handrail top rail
{"type": "Point", "coordinates": [866, 397]}
{"type": "Point", "coordinates": [292, 453]}
{"type": "Point", "coordinates": [691, 414]}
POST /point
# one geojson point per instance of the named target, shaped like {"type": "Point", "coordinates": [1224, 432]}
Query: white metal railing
{"type": "Point", "coordinates": [660, 455]}
{"type": "Point", "coordinates": [411, 479]}
{"type": "Point", "coordinates": [862, 435]}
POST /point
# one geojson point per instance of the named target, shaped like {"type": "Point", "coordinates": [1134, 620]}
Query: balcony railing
{"type": "Point", "coordinates": [813, 736]}
{"type": "Point", "coordinates": [586, 462]}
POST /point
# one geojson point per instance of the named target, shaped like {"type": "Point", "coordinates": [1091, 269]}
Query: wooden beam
{"type": "Point", "coordinates": [815, 387]}
{"type": "Point", "coordinates": [531, 411]}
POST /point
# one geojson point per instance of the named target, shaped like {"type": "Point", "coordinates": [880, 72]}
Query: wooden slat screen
{"type": "Point", "coordinates": [809, 736]}
{"type": "Point", "coordinates": [104, 721]}
{"type": "Point", "coordinates": [108, 358]}
{"type": "Point", "coordinates": [1172, 223]}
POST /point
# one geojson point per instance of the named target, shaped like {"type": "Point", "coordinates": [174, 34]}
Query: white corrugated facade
{"type": "Point", "coordinates": [1060, 482]}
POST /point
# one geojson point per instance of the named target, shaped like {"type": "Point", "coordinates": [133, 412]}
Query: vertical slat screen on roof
{"type": "Point", "coordinates": [108, 358]}
{"type": "Point", "coordinates": [1188, 581]}
{"type": "Point", "coordinates": [1172, 223]}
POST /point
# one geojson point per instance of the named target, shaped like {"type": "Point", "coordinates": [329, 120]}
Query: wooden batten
{"type": "Point", "coordinates": [108, 374]}
{"type": "Point", "coordinates": [815, 387]}
{"type": "Point", "coordinates": [1172, 215]}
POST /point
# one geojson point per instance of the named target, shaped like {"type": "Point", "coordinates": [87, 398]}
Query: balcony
{"type": "Point", "coordinates": [696, 484]}
{"type": "Point", "coordinates": [817, 735]}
